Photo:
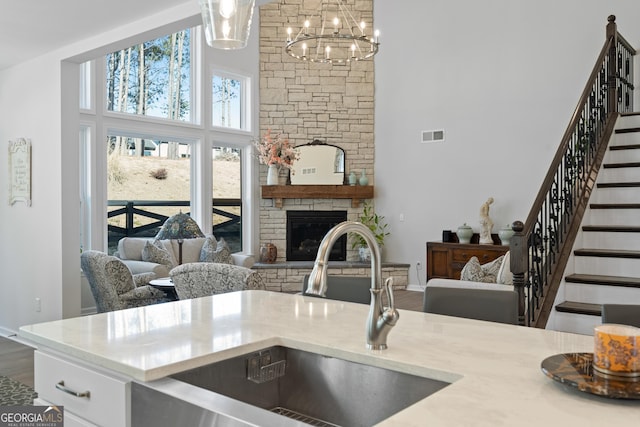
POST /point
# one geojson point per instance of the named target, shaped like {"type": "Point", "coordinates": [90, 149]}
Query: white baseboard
{"type": "Point", "coordinates": [7, 333]}
{"type": "Point", "coordinates": [13, 335]}
{"type": "Point", "coordinates": [416, 288]}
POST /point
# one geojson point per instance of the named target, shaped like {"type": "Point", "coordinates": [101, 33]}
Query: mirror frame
{"type": "Point", "coordinates": [315, 143]}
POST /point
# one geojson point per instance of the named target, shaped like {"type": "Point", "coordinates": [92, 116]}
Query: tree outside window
{"type": "Point", "coordinates": [152, 78]}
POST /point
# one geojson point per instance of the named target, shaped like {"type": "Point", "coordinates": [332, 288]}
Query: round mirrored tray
{"type": "Point", "coordinates": [576, 370]}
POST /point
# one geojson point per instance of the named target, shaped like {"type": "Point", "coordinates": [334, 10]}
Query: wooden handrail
{"type": "Point", "coordinates": [541, 246]}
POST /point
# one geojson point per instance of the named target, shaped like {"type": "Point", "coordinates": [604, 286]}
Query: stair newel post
{"type": "Point", "coordinates": [519, 262]}
{"type": "Point", "coordinates": [612, 66]}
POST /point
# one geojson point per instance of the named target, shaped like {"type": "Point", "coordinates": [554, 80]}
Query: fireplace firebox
{"type": "Point", "coordinates": [305, 230]}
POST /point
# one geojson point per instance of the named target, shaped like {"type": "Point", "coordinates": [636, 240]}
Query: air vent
{"type": "Point", "coordinates": [432, 135]}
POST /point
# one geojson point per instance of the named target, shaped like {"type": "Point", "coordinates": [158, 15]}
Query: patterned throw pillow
{"type": "Point", "coordinates": [208, 249]}
{"type": "Point", "coordinates": [222, 254]}
{"type": "Point", "coordinates": [491, 269]}
{"type": "Point", "coordinates": [486, 273]}
{"type": "Point", "coordinates": [154, 252]}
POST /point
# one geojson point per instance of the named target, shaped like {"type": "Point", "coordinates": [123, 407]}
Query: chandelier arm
{"type": "Point", "coordinates": [337, 47]}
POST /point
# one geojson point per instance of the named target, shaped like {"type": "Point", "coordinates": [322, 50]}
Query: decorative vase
{"type": "Point", "coordinates": [353, 179]}
{"type": "Point", "coordinates": [268, 253]}
{"type": "Point", "coordinates": [363, 179]}
{"type": "Point", "coordinates": [364, 253]}
{"type": "Point", "coordinates": [505, 235]}
{"type": "Point", "coordinates": [464, 233]}
{"type": "Point", "coordinates": [272, 175]}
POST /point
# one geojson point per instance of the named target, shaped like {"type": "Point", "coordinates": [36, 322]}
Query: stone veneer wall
{"type": "Point", "coordinates": [289, 279]}
{"type": "Point", "coordinates": [306, 101]}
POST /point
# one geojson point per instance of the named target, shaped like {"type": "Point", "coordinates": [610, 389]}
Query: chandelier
{"type": "Point", "coordinates": [227, 22]}
{"type": "Point", "coordinates": [332, 36]}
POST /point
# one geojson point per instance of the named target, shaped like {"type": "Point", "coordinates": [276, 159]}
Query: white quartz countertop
{"type": "Point", "coordinates": [494, 368]}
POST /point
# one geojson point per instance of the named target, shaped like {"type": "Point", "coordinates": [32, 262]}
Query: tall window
{"type": "Point", "coordinates": [156, 168]}
{"type": "Point", "coordinates": [227, 196]}
{"type": "Point", "coordinates": [229, 101]}
{"type": "Point", "coordinates": [147, 181]}
{"type": "Point", "coordinates": [152, 78]}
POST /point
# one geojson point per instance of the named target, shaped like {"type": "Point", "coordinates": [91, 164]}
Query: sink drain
{"type": "Point", "coordinates": [301, 417]}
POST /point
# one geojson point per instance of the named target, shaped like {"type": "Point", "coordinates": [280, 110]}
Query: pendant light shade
{"type": "Point", "coordinates": [227, 22]}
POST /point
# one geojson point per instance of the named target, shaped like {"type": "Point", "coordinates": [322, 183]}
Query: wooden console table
{"type": "Point", "coordinates": [446, 260]}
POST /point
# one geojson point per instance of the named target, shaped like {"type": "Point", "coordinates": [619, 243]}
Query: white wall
{"type": "Point", "coordinates": [39, 245]}
{"type": "Point", "coordinates": [502, 78]}
{"type": "Point", "coordinates": [30, 249]}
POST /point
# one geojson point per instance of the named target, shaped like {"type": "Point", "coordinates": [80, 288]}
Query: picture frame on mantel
{"type": "Point", "coordinates": [20, 171]}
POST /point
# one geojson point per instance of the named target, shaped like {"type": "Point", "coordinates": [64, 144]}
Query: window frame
{"type": "Point", "coordinates": [245, 98]}
{"type": "Point", "coordinates": [201, 136]}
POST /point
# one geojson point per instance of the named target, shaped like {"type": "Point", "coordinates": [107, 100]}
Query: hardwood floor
{"type": "Point", "coordinates": [408, 300]}
{"type": "Point", "coordinates": [16, 359]}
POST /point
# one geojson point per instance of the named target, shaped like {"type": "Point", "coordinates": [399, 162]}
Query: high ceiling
{"type": "Point", "coordinates": [29, 28]}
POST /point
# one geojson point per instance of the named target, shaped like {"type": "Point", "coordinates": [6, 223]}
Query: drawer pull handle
{"type": "Point", "coordinates": [60, 386]}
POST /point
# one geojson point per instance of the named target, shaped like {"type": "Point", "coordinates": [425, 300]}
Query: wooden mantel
{"type": "Point", "coordinates": [353, 192]}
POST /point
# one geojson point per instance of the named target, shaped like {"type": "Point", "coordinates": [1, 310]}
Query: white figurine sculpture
{"type": "Point", "coordinates": [486, 223]}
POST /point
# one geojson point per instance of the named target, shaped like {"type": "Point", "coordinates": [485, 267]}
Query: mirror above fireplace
{"type": "Point", "coordinates": [318, 164]}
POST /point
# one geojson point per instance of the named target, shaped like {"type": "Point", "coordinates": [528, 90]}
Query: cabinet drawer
{"type": "Point", "coordinates": [107, 398]}
{"type": "Point", "coordinates": [70, 420]}
{"type": "Point", "coordinates": [483, 255]}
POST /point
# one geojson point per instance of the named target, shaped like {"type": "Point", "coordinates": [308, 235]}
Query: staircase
{"type": "Point", "coordinates": [605, 264]}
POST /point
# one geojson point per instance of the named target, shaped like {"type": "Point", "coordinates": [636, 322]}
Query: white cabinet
{"type": "Point", "coordinates": [70, 420]}
{"type": "Point", "coordinates": [89, 395]}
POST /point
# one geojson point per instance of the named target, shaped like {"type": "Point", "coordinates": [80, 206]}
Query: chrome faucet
{"type": "Point", "coordinates": [381, 319]}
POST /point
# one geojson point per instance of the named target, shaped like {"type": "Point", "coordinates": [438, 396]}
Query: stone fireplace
{"type": "Point", "coordinates": [305, 231]}
{"type": "Point", "coordinates": [305, 102]}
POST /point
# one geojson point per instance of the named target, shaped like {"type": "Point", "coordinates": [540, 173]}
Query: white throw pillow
{"type": "Point", "coordinates": [505, 277]}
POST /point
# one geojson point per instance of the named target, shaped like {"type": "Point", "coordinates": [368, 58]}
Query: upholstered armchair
{"type": "Point", "coordinates": [113, 286]}
{"type": "Point", "coordinates": [624, 314]}
{"type": "Point", "coordinates": [199, 279]}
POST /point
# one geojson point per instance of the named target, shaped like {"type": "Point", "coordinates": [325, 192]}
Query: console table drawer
{"type": "Point", "coordinates": [464, 255]}
{"type": "Point", "coordinates": [446, 260]}
{"type": "Point", "coordinates": [92, 395]}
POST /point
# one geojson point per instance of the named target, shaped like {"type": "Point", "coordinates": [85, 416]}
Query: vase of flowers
{"type": "Point", "coordinates": [276, 152]}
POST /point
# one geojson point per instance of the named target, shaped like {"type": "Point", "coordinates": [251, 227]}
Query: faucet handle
{"type": "Point", "coordinates": [388, 287]}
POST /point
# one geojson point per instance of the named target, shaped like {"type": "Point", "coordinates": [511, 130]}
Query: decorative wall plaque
{"type": "Point", "coordinates": [20, 171]}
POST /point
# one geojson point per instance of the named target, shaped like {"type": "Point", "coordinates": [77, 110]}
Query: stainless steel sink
{"type": "Point", "coordinates": [309, 388]}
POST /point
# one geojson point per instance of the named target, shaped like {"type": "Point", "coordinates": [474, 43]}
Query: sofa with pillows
{"type": "Point", "coordinates": [143, 255]}
{"type": "Point", "coordinates": [475, 277]}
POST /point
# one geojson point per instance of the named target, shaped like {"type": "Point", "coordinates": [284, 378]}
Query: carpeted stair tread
{"type": "Point", "coordinates": [580, 308]}
{"type": "Point", "coordinates": [597, 279]}
{"type": "Point", "coordinates": [607, 253]}
{"type": "Point", "coordinates": [612, 228]}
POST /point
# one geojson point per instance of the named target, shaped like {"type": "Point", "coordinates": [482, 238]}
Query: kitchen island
{"type": "Point", "coordinates": [494, 369]}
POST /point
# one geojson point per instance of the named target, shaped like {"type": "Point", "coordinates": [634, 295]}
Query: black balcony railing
{"type": "Point", "coordinates": [144, 218]}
